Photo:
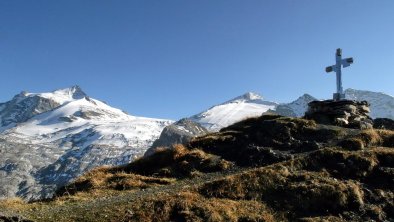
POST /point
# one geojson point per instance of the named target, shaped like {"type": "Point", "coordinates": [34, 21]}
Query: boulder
{"type": "Point", "coordinates": [180, 132]}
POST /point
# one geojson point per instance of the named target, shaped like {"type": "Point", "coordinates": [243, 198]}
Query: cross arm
{"type": "Point", "coordinates": [346, 62]}
{"type": "Point", "coordinates": [331, 68]}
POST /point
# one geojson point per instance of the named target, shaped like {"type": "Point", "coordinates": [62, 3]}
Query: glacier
{"type": "Point", "coordinates": [48, 139]}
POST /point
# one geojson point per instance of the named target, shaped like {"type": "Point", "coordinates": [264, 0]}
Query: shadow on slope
{"type": "Point", "coordinates": [161, 168]}
{"type": "Point", "coordinates": [355, 185]}
{"type": "Point", "coordinates": [268, 139]}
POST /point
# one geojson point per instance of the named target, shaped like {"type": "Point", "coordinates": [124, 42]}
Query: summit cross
{"type": "Point", "coordinates": [339, 95]}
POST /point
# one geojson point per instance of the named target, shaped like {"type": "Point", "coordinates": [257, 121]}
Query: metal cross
{"type": "Point", "coordinates": [339, 95]}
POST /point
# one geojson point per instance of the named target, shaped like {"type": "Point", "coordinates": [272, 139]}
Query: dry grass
{"type": "Point", "coordinates": [369, 138]}
{"type": "Point", "coordinates": [322, 219]}
{"type": "Point", "coordinates": [102, 180]}
{"type": "Point", "coordinates": [387, 137]}
{"type": "Point", "coordinates": [15, 203]}
{"type": "Point", "coordinates": [322, 182]}
{"type": "Point", "coordinates": [299, 192]}
{"type": "Point", "coordinates": [177, 161]}
{"type": "Point", "coordinates": [161, 168]}
{"type": "Point", "coordinates": [189, 206]}
{"type": "Point", "coordinates": [341, 163]}
{"type": "Point", "coordinates": [314, 187]}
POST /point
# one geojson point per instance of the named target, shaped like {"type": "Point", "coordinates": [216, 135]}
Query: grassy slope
{"type": "Point", "coordinates": [262, 169]}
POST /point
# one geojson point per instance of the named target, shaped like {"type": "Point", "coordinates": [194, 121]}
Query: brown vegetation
{"type": "Point", "coordinates": [368, 138]}
{"type": "Point", "coordinates": [188, 206]}
{"type": "Point", "coordinates": [177, 161]}
{"type": "Point", "coordinates": [161, 168]}
{"type": "Point", "coordinates": [104, 178]}
{"type": "Point", "coordinates": [300, 193]}
{"type": "Point", "coordinates": [254, 141]}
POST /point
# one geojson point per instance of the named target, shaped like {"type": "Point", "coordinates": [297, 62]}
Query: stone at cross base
{"type": "Point", "coordinates": [344, 113]}
{"type": "Point", "coordinates": [339, 111]}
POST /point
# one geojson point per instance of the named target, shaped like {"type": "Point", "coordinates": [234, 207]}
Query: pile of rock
{"type": "Point", "coordinates": [345, 113]}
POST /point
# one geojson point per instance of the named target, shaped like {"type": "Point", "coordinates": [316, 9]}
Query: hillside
{"type": "Point", "coordinates": [252, 105]}
{"type": "Point", "coordinates": [267, 168]}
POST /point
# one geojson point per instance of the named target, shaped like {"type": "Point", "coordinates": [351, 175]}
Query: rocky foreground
{"type": "Point", "coordinates": [269, 168]}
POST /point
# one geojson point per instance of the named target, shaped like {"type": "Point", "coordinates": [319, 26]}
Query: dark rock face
{"type": "Point", "coordinates": [345, 113]}
{"type": "Point", "coordinates": [16, 111]}
{"type": "Point", "coordinates": [265, 140]}
{"type": "Point", "coordinates": [383, 123]}
{"type": "Point", "coordinates": [180, 132]}
{"type": "Point", "coordinates": [13, 219]}
{"type": "Point", "coordinates": [284, 110]}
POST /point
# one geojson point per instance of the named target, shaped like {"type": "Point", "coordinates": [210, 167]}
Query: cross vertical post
{"type": "Point", "coordinates": [337, 68]}
{"type": "Point", "coordinates": [338, 57]}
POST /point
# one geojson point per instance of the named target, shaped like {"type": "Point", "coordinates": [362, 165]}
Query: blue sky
{"type": "Point", "coordinates": [175, 58]}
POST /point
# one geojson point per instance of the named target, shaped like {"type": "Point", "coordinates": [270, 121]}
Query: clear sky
{"type": "Point", "coordinates": [175, 58]}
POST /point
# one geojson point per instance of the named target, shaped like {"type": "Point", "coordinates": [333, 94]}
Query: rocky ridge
{"type": "Point", "coordinates": [252, 105]}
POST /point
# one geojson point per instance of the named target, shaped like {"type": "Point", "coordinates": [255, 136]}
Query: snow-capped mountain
{"type": "Point", "coordinates": [232, 111]}
{"type": "Point", "coordinates": [211, 120]}
{"type": "Point", "coordinates": [382, 105]}
{"type": "Point", "coordinates": [47, 139]}
{"type": "Point", "coordinates": [252, 104]}
{"type": "Point", "coordinates": [296, 108]}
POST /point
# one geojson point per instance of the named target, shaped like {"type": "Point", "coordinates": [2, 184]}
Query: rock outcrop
{"type": "Point", "coordinates": [383, 123]}
{"type": "Point", "coordinates": [345, 113]}
{"type": "Point", "coordinates": [180, 132]}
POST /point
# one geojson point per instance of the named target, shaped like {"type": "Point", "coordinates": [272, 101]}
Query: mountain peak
{"type": "Point", "coordinates": [20, 96]}
{"type": "Point", "coordinates": [306, 97]}
{"type": "Point", "coordinates": [252, 96]}
{"type": "Point", "coordinates": [296, 108]}
{"type": "Point", "coordinates": [74, 92]}
{"type": "Point", "coordinates": [249, 96]}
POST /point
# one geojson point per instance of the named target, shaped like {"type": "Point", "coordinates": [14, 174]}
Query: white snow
{"type": "Point", "coordinates": [105, 122]}
{"type": "Point", "coordinates": [61, 96]}
{"type": "Point", "coordinates": [382, 105]}
{"type": "Point", "coordinates": [79, 134]}
{"type": "Point", "coordinates": [235, 110]}
{"type": "Point", "coordinates": [300, 105]}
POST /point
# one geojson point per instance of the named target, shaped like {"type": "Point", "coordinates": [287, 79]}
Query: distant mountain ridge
{"type": "Point", "coordinates": [252, 105]}
{"type": "Point", "coordinates": [382, 105]}
{"type": "Point", "coordinates": [47, 139]}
